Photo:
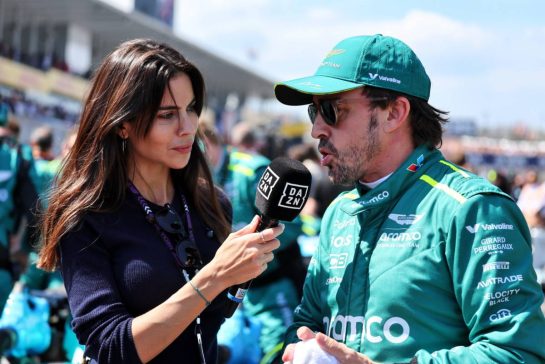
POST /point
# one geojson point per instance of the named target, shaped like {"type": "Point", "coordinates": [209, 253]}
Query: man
{"type": "Point", "coordinates": [17, 196]}
{"type": "Point", "coordinates": [422, 262]}
{"type": "Point", "coordinates": [273, 296]}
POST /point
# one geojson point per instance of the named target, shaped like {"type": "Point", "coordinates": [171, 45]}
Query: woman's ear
{"type": "Point", "coordinates": [398, 114]}
{"type": "Point", "coordinates": [123, 130]}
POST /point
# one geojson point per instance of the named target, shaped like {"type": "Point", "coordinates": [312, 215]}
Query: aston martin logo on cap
{"type": "Point", "coordinates": [335, 52]}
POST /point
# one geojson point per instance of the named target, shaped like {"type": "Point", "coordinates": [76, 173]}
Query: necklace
{"type": "Point", "coordinates": [151, 218]}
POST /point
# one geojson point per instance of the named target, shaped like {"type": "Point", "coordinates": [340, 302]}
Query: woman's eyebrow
{"type": "Point", "coordinates": [168, 107]}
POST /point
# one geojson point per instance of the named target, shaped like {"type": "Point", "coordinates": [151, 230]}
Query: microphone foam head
{"type": "Point", "coordinates": [283, 189]}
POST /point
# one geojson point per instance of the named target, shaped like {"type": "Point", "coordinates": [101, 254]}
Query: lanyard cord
{"type": "Point", "coordinates": [150, 217]}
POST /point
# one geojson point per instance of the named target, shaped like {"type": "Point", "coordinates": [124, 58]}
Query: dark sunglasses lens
{"type": "Point", "coordinates": [328, 112]}
{"type": "Point", "coordinates": [189, 256]}
{"type": "Point", "coordinates": [169, 221]}
{"type": "Point", "coordinates": [312, 111]}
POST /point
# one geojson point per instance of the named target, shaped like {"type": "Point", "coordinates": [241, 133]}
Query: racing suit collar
{"type": "Point", "coordinates": [391, 190]}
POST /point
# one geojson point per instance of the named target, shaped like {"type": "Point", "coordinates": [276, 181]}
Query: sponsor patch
{"type": "Point", "coordinates": [416, 166]}
{"type": "Point", "coordinates": [495, 266]}
{"type": "Point", "coordinates": [338, 261]}
{"type": "Point", "coordinates": [488, 227]}
{"type": "Point", "coordinates": [373, 329]}
{"type": "Point", "coordinates": [402, 219]}
{"type": "Point", "coordinates": [496, 297]}
{"type": "Point", "coordinates": [500, 280]}
{"type": "Point", "coordinates": [503, 313]}
{"type": "Point", "coordinates": [381, 196]}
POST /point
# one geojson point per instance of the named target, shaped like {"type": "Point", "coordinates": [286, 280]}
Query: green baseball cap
{"type": "Point", "coordinates": [375, 60]}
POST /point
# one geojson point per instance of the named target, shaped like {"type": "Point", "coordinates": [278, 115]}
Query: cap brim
{"type": "Point", "coordinates": [300, 91]}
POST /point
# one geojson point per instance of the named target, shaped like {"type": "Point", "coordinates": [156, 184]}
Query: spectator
{"type": "Point", "coordinates": [17, 197]}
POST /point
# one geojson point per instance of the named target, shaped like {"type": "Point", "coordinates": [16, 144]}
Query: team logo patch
{"type": "Point", "coordinates": [334, 52]}
{"type": "Point", "coordinates": [415, 166]}
{"type": "Point", "coordinates": [405, 219]}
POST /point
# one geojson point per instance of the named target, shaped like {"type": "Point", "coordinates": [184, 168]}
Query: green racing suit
{"type": "Point", "coordinates": [433, 265]}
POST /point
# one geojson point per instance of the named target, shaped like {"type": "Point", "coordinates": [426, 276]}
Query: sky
{"type": "Point", "coordinates": [486, 58]}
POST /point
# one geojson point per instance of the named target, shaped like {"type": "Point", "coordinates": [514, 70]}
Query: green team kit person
{"type": "Point", "coordinates": [273, 296]}
{"type": "Point", "coordinates": [17, 197]}
{"type": "Point", "coordinates": [422, 262]}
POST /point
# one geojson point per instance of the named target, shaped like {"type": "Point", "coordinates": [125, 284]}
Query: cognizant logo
{"type": "Point", "coordinates": [373, 329]}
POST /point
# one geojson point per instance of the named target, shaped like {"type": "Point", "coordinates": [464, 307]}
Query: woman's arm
{"type": "Point", "coordinates": [243, 256]}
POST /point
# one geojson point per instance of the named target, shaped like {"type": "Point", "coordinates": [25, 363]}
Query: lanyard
{"type": "Point", "coordinates": [150, 216]}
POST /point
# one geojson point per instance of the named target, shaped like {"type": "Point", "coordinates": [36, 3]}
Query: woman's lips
{"type": "Point", "coordinates": [183, 148]}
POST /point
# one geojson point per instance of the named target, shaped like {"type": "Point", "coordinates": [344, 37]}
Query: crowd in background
{"type": "Point", "coordinates": [23, 106]}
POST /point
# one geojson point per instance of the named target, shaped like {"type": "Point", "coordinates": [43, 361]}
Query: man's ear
{"type": "Point", "coordinates": [398, 114]}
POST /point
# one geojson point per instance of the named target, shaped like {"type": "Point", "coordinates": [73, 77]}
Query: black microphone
{"type": "Point", "coordinates": [282, 191]}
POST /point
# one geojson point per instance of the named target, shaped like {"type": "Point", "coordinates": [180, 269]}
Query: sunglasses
{"type": "Point", "coordinates": [328, 108]}
{"type": "Point", "coordinates": [186, 251]}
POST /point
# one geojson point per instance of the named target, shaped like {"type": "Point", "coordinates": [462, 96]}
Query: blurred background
{"type": "Point", "coordinates": [485, 60]}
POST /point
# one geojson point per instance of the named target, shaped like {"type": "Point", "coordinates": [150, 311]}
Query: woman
{"type": "Point", "coordinates": [135, 222]}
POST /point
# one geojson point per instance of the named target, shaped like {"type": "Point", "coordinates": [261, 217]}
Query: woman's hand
{"type": "Point", "coordinates": [245, 253]}
{"type": "Point", "coordinates": [340, 351]}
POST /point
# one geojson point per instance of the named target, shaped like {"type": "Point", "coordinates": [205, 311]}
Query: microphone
{"type": "Point", "coordinates": [282, 191]}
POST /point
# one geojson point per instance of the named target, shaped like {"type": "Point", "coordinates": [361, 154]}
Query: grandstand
{"type": "Point", "coordinates": [48, 50]}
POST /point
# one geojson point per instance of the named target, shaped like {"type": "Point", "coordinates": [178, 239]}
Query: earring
{"type": "Point", "coordinates": [124, 145]}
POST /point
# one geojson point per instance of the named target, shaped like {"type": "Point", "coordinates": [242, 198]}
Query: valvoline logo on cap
{"type": "Point", "coordinates": [415, 166]}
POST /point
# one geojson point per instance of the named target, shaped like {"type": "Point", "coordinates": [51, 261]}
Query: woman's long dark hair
{"type": "Point", "coordinates": [127, 87]}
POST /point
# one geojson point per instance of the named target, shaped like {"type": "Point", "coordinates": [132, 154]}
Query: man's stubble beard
{"type": "Point", "coordinates": [353, 162]}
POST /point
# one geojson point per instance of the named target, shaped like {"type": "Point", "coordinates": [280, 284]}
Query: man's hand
{"type": "Point", "coordinates": [340, 351]}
